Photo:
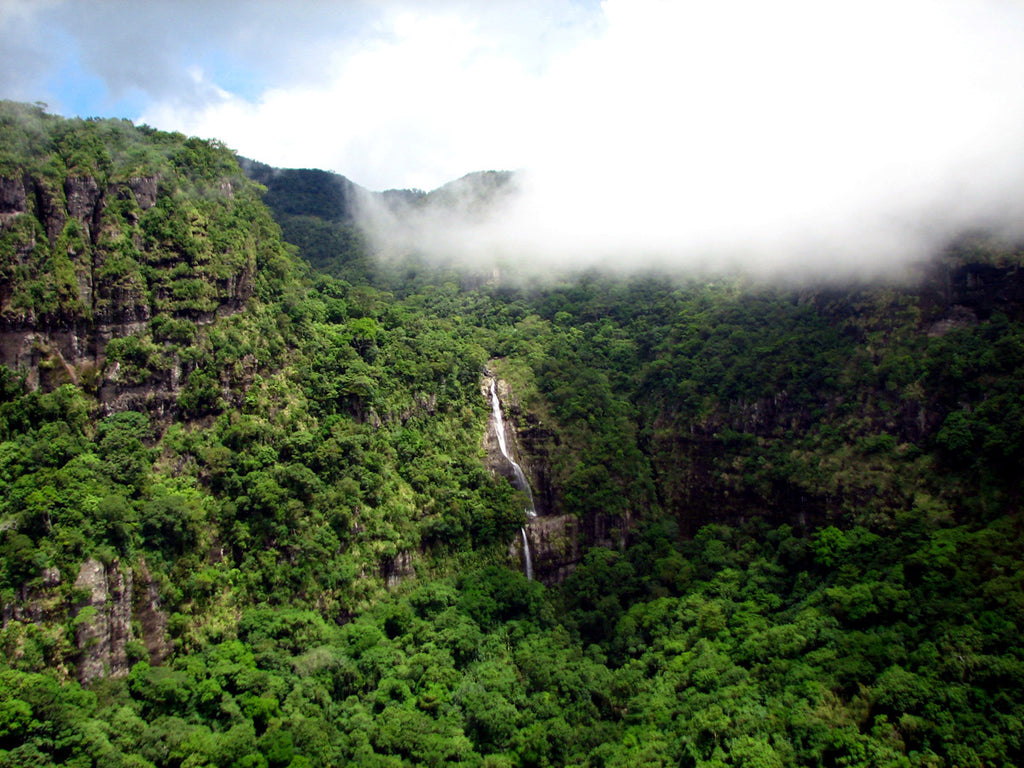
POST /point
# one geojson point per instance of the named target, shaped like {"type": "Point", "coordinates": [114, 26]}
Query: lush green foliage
{"type": "Point", "coordinates": [118, 222]}
{"type": "Point", "coordinates": [316, 211]}
{"type": "Point", "coordinates": [743, 647]}
{"type": "Point", "coordinates": [812, 501]}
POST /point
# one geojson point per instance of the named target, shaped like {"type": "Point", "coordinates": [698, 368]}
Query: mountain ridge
{"type": "Point", "coordinates": [779, 526]}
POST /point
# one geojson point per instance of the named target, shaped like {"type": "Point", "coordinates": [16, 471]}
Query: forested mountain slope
{"type": "Point", "coordinates": [249, 516]}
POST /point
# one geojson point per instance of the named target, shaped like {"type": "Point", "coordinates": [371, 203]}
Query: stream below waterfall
{"type": "Point", "coordinates": [520, 482]}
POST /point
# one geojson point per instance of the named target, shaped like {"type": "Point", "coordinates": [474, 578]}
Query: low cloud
{"type": "Point", "coordinates": [826, 137]}
{"type": "Point", "coordinates": [821, 138]}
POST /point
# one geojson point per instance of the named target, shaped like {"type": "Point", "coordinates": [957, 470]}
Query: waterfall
{"type": "Point", "coordinates": [527, 559]}
{"type": "Point", "coordinates": [521, 483]}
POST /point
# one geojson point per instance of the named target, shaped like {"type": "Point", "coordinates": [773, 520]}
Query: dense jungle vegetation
{"type": "Point", "coordinates": [799, 509]}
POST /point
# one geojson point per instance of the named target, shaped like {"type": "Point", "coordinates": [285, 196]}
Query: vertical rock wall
{"type": "Point", "coordinates": [103, 623]}
{"type": "Point", "coordinates": [78, 270]}
{"type": "Point", "coordinates": [555, 540]}
{"type": "Point", "coordinates": [101, 609]}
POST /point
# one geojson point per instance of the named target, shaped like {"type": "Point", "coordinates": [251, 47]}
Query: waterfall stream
{"type": "Point", "coordinates": [527, 559]}
{"type": "Point", "coordinates": [521, 483]}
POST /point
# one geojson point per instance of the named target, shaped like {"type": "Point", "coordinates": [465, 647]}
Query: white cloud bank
{"type": "Point", "coordinates": [828, 138]}
{"type": "Point", "coordinates": [826, 135]}
{"type": "Point", "coordinates": [422, 94]}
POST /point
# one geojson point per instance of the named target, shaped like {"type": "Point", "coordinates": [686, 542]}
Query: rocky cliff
{"type": "Point", "coordinates": [102, 623]}
{"type": "Point", "coordinates": [738, 458]}
{"type": "Point", "coordinates": [112, 233]}
{"type": "Point", "coordinates": [109, 607]}
{"type": "Point", "coordinates": [79, 266]}
{"type": "Point", "coordinates": [556, 540]}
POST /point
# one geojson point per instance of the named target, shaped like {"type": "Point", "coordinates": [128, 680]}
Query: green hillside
{"type": "Point", "coordinates": [249, 512]}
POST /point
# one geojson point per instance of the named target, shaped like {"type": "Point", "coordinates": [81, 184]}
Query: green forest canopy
{"type": "Point", "coordinates": [812, 499]}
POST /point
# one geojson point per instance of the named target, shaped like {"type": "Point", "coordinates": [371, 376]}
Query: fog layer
{"type": "Point", "coordinates": [824, 138]}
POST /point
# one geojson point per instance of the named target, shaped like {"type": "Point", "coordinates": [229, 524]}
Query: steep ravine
{"type": "Point", "coordinates": [549, 546]}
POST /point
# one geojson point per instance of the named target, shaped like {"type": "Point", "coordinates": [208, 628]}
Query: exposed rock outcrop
{"type": "Point", "coordinates": [151, 617]}
{"type": "Point", "coordinates": [37, 604]}
{"type": "Point", "coordinates": [144, 189]}
{"type": "Point", "coordinates": [81, 271]}
{"type": "Point", "coordinates": [398, 569]}
{"type": "Point", "coordinates": [85, 203]}
{"type": "Point", "coordinates": [103, 623]}
{"type": "Point", "coordinates": [555, 543]}
{"type": "Point", "coordinates": [12, 197]}
{"type": "Point", "coordinates": [555, 540]}
{"type": "Point", "coordinates": [105, 603]}
{"type": "Point", "coordinates": [528, 447]}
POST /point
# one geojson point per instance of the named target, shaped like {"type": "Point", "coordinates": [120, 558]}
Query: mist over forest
{"type": "Point", "coordinates": [697, 441]}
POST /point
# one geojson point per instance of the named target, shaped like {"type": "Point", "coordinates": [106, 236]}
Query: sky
{"type": "Point", "coordinates": [835, 133]}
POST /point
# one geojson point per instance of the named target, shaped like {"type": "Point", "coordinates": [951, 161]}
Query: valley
{"type": "Point", "coordinates": [255, 511]}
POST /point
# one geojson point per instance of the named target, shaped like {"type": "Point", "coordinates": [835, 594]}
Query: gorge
{"type": "Point", "coordinates": [247, 518]}
{"type": "Point", "coordinates": [519, 477]}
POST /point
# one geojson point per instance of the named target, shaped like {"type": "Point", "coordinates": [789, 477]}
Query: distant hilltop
{"type": "Point", "coordinates": [333, 197]}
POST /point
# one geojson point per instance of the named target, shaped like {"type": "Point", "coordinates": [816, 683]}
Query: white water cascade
{"type": "Point", "coordinates": [527, 559]}
{"type": "Point", "coordinates": [520, 477]}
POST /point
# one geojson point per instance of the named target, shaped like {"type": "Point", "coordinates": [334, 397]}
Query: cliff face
{"type": "Point", "coordinates": [962, 294]}
{"type": "Point", "coordinates": [528, 446]}
{"type": "Point", "coordinates": [105, 604]}
{"type": "Point", "coordinates": [117, 245]}
{"type": "Point", "coordinates": [103, 625]}
{"type": "Point", "coordinates": [70, 335]}
{"type": "Point", "coordinates": [556, 540]}
{"type": "Point", "coordinates": [83, 263]}
{"type": "Point", "coordinates": [741, 458]}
